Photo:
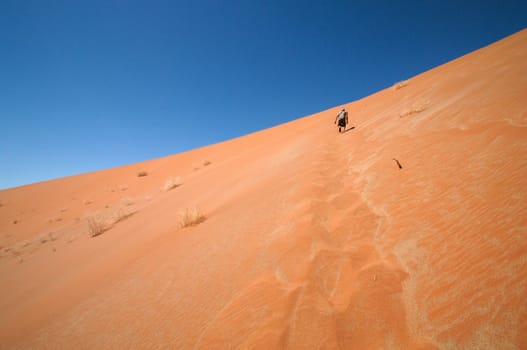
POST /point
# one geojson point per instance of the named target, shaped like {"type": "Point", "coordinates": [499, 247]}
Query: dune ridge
{"type": "Point", "coordinates": [408, 231]}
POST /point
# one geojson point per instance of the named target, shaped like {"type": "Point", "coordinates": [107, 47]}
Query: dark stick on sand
{"type": "Point", "coordinates": [398, 164]}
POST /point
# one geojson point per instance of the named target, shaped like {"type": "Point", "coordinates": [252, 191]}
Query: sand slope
{"type": "Point", "coordinates": [313, 239]}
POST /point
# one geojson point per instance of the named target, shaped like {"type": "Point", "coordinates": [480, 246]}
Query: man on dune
{"type": "Point", "coordinates": [342, 119]}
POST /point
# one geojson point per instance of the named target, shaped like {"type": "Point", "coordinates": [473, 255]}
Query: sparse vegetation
{"type": "Point", "coordinates": [96, 225]}
{"type": "Point", "coordinates": [142, 173]}
{"type": "Point", "coordinates": [172, 183]}
{"type": "Point", "coordinates": [191, 217]}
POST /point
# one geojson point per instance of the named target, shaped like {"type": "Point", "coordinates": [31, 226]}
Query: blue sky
{"type": "Point", "coordinates": [88, 85]}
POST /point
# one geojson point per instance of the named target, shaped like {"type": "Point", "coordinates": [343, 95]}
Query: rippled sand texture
{"type": "Point", "coordinates": [408, 231]}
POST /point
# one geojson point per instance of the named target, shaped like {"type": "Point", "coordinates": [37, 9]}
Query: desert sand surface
{"type": "Point", "coordinates": [312, 239]}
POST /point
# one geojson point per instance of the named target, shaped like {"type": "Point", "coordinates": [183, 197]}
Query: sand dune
{"type": "Point", "coordinates": [407, 232]}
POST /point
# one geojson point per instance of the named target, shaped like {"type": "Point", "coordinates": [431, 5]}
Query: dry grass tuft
{"type": "Point", "coordinates": [401, 84]}
{"type": "Point", "coordinates": [191, 217]}
{"type": "Point", "coordinates": [173, 183]}
{"type": "Point", "coordinates": [121, 214]}
{"type": "Point", "coordinates": [413, 110]}
{"type": "Point", "coordinates": [417, 107]}
{"type": "Point", "coordinates": [207, 162]}
{"type": "Point", "coordinates": [96, 225]}
{"type": "Point", "coordinates": [127, 201]}
{"type": "Point", "coordinates": [142, 173]}
{"type": "Point", "coordinates": [104, 221]}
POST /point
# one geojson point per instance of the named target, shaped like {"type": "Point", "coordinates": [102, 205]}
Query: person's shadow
{"type": "Point", "coordinates": [349, 129]}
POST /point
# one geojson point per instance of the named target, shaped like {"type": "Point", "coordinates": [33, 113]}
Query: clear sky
{"type": "Point", "coordinates": [88, 85]}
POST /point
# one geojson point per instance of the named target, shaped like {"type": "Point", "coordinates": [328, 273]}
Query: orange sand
{"type": "Point", "coordinates": [313, 239]}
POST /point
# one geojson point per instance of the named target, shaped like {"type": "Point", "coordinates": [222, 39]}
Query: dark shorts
{"type": "Point", "coordinates": [342, 122]}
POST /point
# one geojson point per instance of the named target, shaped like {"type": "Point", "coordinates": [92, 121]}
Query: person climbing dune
{"type": "Point", "coordinates": [342, 119]}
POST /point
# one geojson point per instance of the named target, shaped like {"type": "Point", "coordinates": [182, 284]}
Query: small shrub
{"type": "Point", "coordinates": [207, 162]}
{"type": "Point", "coordinates": [96, 226]}
{"type": "Point", "coordinates": [172, 183]}
{"type": "Point", "coordinates": [142, 173]}
{"type": "Point", "coordinates": [191, 217]}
